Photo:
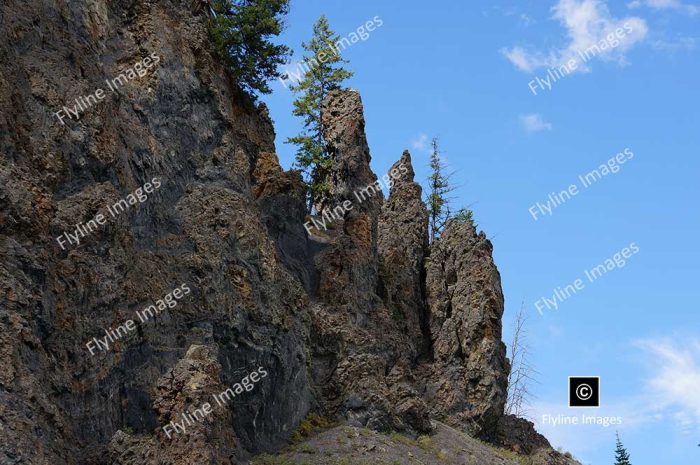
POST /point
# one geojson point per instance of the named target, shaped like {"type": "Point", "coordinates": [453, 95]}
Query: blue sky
{"type": "Point", "coordinates": [461, 71]}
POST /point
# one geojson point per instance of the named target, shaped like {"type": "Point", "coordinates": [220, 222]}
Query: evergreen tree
{"type": "Point", "coordinates": [240, 31]}
{"type": "Point", "coordinates": [465, 215]}
{"type": "Point", "coordinates": [324, 72]}
{"type": "Point", "coordinates": [439, 186]}
{"type": "Point", "coordinates": [621, 455]}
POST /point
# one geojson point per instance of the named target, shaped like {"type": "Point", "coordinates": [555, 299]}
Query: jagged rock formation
{"type": "Point", "coordinates": [403, 246]}
{"type": "Point", "coordinates": [362, 327]}
{"type": "Point", "coordinates": [470, 374]}
{"type": "Point", "coordinates": [349, 266]}
{"type": "Point", "coordinates": [365, 372]}
{"type": "Point", "coordinates": [190, 385]}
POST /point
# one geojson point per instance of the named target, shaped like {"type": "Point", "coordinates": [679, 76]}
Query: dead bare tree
{"type": "Point", "coordinates": [522, 374]}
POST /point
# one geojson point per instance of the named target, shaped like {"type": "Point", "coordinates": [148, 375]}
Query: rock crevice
{"type": "Point", "coordinates": [369, 326]}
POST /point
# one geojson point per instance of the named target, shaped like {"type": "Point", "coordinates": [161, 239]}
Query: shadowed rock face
{"type": "Point", "coordinates": [186, 125]}
{"type": "Point", "coordinates": [359, 327]}
{"type": "Point", "coordinates": [349, 265]}
{"type": "Point", "coordinates": [343, 119]}
{"type": "Point", "coordinates": [465, 301]}
{"type": "Point", "coordinates": [403, 246]}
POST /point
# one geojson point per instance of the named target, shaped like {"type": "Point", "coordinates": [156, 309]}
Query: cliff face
{"type": "Point", "coordinates": [142, 338]}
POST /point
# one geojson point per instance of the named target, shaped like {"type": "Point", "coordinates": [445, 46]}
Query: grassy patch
{"type": "Point", "coordinates": [266, 459]}
{"type": "Point", "coordinates": [311, 424]}
{"type": "Point", "coordinates": [307, 449]}
{"type": "Point", "coordinates": [401, 439]}
{"type": "Point", "coordinates": [424, 441]}
{"type": "Point", "coordinates": [510, 455]}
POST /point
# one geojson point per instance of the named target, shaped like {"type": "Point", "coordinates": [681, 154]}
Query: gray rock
{"type": "Point", "coordinates": [465, 300]}
{"type": "Point", "coordinates": [403, 245]}
{"type": "Point", "coordinates": [355, 323]}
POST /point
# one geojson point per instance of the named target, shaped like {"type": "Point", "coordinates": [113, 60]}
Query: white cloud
{"type": "Point", "coordinates": [525, 19]}
{"type": "Point", "coordinates": [533, 122]}
{"type": "Point", "coordinates": [421, 143]}
{"type": "Point", "coordinates": [669, 396]}
{"type": "Point", "coordinates": [675, 45]}
{"type": "Point", "coordinates": [665, 5]}
{"type": "Point", "coordinates": [520, 58]}
{"type": "Point", "coordinates": [580, 438]}
{"type": "Point", "coordinates": [675, 382]}
{"type": "Point", "coordinates": [588, 24]}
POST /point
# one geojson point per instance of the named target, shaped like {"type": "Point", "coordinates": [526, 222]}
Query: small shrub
{"type": "Point", "coordinates": [266, 459]}
{"type": "Point", "coordinates": [308, 426]}
{"type": "Point", "coordinates": [424, 441]}
{"type": "Point", "coordinates": [307, 449]}
{"type": "Point", "coordinates": [401, 439]}
{"type": "Point", "coordinates": [466, 216]}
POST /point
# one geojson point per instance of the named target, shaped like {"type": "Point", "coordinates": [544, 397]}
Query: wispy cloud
{"type": "Point", "coordinates": [675, 45]}
{"type": "Point", "coordinates": [533, 122]}
{"type": "Point", "coordinates": [634, 412]}
{"type": "Point", "coordinates": [675, 380]}
{"type": "Point", "coordinates": [668, 395]}
{"type": "Point", "coordinates": [421, 143]}
{"type": "Point", "coordinates": [524, 19]}
{"type": "Point", "coordinates": [666, 5]}
{"type": "Point", "coordinates": [588, 23]}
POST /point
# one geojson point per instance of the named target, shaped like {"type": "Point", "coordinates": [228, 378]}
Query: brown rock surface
{"type": "Point", "coordinates": [207, 437]}
{"type": "Point", "coordinates": [465, 300]}
{"type": "Point", "coordinates": [403, 246]}
{"type": "Point", "coordinates": [322, 317]}
{"type": "Point", "coordinates": [349, 265]}
{"type": "Point", "coordinates": [445, 446]}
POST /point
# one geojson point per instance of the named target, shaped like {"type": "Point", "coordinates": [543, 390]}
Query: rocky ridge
{"type": "Point", "coordinates": [370, 327]}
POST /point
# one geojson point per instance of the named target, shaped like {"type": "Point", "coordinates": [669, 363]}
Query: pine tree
{"type": "Point", "coordinates": [240, 31]}
{"type": "Point", "coordinates": [621, 455]}
{"type": "Point", "coordinates": [465, 215]}
{"type": "Point", "coordinates": [439, 186]}
{"type": "Point", "coordinates": [324, 72]}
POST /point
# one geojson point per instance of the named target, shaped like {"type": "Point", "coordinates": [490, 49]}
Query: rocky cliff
{"type": "Point", "coordinates": [164, 299]}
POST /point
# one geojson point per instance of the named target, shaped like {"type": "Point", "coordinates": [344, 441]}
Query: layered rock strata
{"type": "Point", "coordinates": [368, 326]}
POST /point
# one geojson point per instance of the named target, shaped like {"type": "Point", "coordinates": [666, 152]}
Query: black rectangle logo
{"type": "Point", "coordinates": [584, 391]}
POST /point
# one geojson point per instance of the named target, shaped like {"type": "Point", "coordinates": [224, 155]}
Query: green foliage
{"type": "Point", "coordinates": [308, 426]}
{"type": "Point", "coordinates": [240, 32]}
{"type": "Point", "coordinates": [465, 215]}
{"type": "Point", "coordinates": [621, 455]}
{"type": "Point", "coordinates": [401, 439]}
{"type": "Point", "coordinates": [424, 441]}
{"type": "Point", "coordinates": [324, 72]}
{"type": "Point", "coordinates": [267, 459]}
{"type": "Point", "coordinates": [307, 449]}
{"type": "Point", "coordinates": [439, 187]}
